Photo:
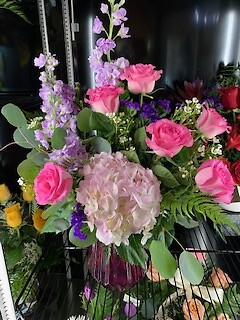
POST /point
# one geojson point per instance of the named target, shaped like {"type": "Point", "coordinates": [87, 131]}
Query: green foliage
{"type": "Point", "coordinates": [14, 115]}
{"type": "Point", "coordinates": [165, 176]}
{"type": "Point", "coordinates": [37, 157]}
{"type": "Point", "coordinates": [28, 170]}
{"type": "Point", "coordinates": [100, 145]}
{"type": "Point", "coordinates": [15, 6]}
{"type": "Point", "coordinates": [25, 137]}
{"type": "Point", "coordinates": [162, 259]}
{"type": "Point", "coordinates": [58, 138]}
{"type": "Point", "coordinates": [91, 237]}
{"type": "Point", "coordinates": [196, 205]}
{"type": "Point", "coordinates": [133, 253]}
{"type": "Point", "coordinates": [191, 268]}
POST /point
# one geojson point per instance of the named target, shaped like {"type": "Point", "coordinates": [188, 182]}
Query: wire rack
{"type": "Point", "coordinates": [60, 290]}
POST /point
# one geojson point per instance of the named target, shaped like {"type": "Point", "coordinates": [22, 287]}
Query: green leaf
{"type": "Point", "coordinates": [58, 138]}
{"type": "Point", "coordinates": [83, 118]}
{"type": "Point", "coordinates": [139, 138]}
{"type": "Point", "coordinates": [191, 268]}
{"type": "Point", "coordinates": [186, 222]}
{"type": "Point", "coordinates": [14, 115]}
{"type": "Point", "coordinates": [149, 308]}
{"type": "Point", "coordinates": [165, 176]}
{"type": "Point", "coordinates": [39, 158]}
{"type": "Point", "coordinates": [13, 256]}
{"type": "Point", "coordinates": [52, 209]}
{"type": "Point", "coordinates": [133, 253]}
{"type": "Point", "coordinates": [91, 238]}
{"type": "Point", "coordinates": [101, 145]}
{"type": "Point", "coordinates": [25, 137]}
{"type": "Point", "coordinates": [100, 122]}
{"type": "Point", "coordinates": [60, 225]}
{"type": "Point", "coordinates": [28, 170]}
{"type": "Point", "coordinates": [162, 259]}
{"type": "Point", "coordinates": [16, 7]}
{"type": "Point", "coordinates": [131, 155]}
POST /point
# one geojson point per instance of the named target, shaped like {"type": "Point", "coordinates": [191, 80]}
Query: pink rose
{"type": "Point", "coordinates": [213, 178]}
{"type": "Point", "coordinates": [141, 77]}
{"type": "Point", "coordinates": [193, 309]}
{"type": "Point", "coordinates": [219, 278]}
{"type": "Point", "coordinates": [52, 184]}
{"type": "Point", "coordinates": [211, 123]}
{"type": "Point", "coordinates": [104, 99]}
{"type": "Point", "coordinates": [168, 137]}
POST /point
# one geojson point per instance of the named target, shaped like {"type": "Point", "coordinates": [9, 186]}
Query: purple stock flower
{"type": "Point", "coordinates": [40, 61]}
{"type": "Point", "coordinates": [109, 318]}
{"type": "Point", "coordinates": [97, 26]}
{"type": "Point", "coordinates": [78, 217]}
{"type": "Point", "coordinates": [89, 292]}
{"type": "Point", "coordinates": [105, 45]}
{"type": "Point", "coordinates": [119, 16]}
{"type": "Point", "coordinates": [104, 8]}
{"type": "Point", "coordinates": [130, 309]}
{"type": "Point", "coordinates": [123, 32]}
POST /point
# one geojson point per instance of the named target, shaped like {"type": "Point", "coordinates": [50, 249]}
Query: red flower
{"type": "Point", "coordinates": [233, 138]}
{"type": "Point", "coordinates": [230, 97]}
{"type": "Point", "coordinates": [235, 171]}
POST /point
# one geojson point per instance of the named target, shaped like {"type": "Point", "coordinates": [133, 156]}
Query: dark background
{"type": "Point", "coordinates": [185, 38]}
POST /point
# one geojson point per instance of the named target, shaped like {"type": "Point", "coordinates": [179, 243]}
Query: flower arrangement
{"type": "Point", "coordinates": [122, 165]}
{"type": "Point", "coordinates": [21, 223]}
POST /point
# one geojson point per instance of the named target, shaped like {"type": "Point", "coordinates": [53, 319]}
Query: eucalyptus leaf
{"type": "Point", "coordinates": [162, 259]}
{"type": "Point", "coordinates": [58, 138]}
{"type": "Point", "coordinates": [38, 157]}
{"type": "Point", "coordinates": [100, 122]}
{"type": "Point", "coordinates": [149, 308]}
{"type": "Point", "coordinates": [131, 155]}
{"type": "Point", "coordinates": [14, 115]}
{"type": "Point", "coordinates": [165, 176]}
{"type": "Point", "coordinates": [191, 268]}
{"type": "Point", "coordinates": [52, 209]}
{"type": "Point", "coordinates": [139, 138]}
{"type": "Point", "coordinates": [133, 253]}
{"type": "Point", "coordinates": [60, 224]}
{"type": "Point", "coordinates": [91, 238]}
{"type": "Point", "coordinates": [28, 170]}
{"type": "Point", "coordinates": [186, 222]}
{"type": "Point", "coordinates": [25, 137]}
{"type": "Point", "coordinates": [83, 120]}
{"type": "Point", "coordinates": [100, 144]}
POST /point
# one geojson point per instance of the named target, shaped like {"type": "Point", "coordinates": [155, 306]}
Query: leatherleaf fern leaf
{"type": "Point", "coordinates": [196, 205]}
{"type": "Point", "coordinates": [15, 6]}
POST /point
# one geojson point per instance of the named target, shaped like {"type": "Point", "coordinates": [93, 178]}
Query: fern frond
{"type": "Point", "coordinates": [199, 206]}
{"type": "Point", "coordinates": [15, 6]}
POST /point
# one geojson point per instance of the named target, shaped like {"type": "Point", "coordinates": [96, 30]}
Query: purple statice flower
{"type": "Point", "coordinates": [105, 45]}
{"type": "Point", "coordinates": [213, 102]}
{"type": "Point", "coordinates": [165, 104]}
{"type": "Point", "coordinates": [119, 16]}
{"type": "Point", "coordinates": [130, 309]}
{"type": "Point", "coordinates": [89, 292]}
{"type": "Point", "coordinates": [78, 217]}
{"type": "Point", "coordinates": [104, 8]}
{"type": "Point", "coordinates": [149, 112]}
{"type": "Point", "coordinates": [123, 32]}
{"type": "Point", "coordinates": [97, 26]}
{"type": "Point", "coordinates": [40, 61]}
{"type": "Point", "coordinates": [130, 104]}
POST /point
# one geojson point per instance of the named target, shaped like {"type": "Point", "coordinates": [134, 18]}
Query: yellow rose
{"type": "Point", "coordinates": [193, 309]}
{"type": "Point", "coordinates": [28, 193]}
{"type": "Point", "coordinates": [13, 215]}
{"type": "Point", "coordinates": [38, 221]}
{"type": "Point", "coordinates": [4, 193]}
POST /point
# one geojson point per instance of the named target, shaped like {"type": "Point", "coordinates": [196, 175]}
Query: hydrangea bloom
{"type": "Point", "coordinates": [120, 198]}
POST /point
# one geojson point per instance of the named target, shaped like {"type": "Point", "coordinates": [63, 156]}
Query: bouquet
{"type": "Point", "coordinates": [122, 164]}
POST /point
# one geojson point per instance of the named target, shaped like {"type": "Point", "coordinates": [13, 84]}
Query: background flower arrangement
{"type": "Point", "coordinates": [122, 166]}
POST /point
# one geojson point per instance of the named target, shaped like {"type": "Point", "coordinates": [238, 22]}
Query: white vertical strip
{"type": "Point", "coordinates": [43, 26]}
{"type": "Point", "coordinates": [6, 301]}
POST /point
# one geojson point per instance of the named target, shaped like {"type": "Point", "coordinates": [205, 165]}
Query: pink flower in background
{"type": "Point", "coordinates": [52, 184]}
{"type": "Point", "coordinates": [104, 99]}
{"type": "Point", "coordinates": [210, 123]}
{"type": "Point", "coordinates": [168, 137]}
{"type": "Point", "coordinates": [141, 77]}
{"type": "Point", "coordinates": [120, 198]}
{"type": "Point", "coordinates": [219, 278]}
{"type": "Point", "coordinates": [201, 256]}
{"type": "Point", "coordinates": [214, 179]}
{"type": "Point", "coordinates": [193, 309]}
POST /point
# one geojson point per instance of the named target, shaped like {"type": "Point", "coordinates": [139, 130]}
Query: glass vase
{"type": "Point", "coordinates": [115, 274]}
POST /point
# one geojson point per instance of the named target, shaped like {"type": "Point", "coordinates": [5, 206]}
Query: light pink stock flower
{"type": "Point", "coordinates": [104, 99]}
{"type": "Point", "coordinates": [214, 179]}
{"type": "Point", "coordinates": [168, 137]}
{"type": "Point", "coordinates": [120, 197]}
{"type": "Point", "coordinates": [52, 184]}
{"type": "Point", "coordinates": [210, 123]}
{"type": "Point", "coordinates": [141, 77]}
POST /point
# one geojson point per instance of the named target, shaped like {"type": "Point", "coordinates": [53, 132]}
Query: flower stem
{"type": "Point", "coordinates": [141, 100]}
{"type": "Point", "coordinates": [169, 233]}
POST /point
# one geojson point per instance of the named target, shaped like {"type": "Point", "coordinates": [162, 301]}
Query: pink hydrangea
{"type": "Point", "coordinates": [120, 198]}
